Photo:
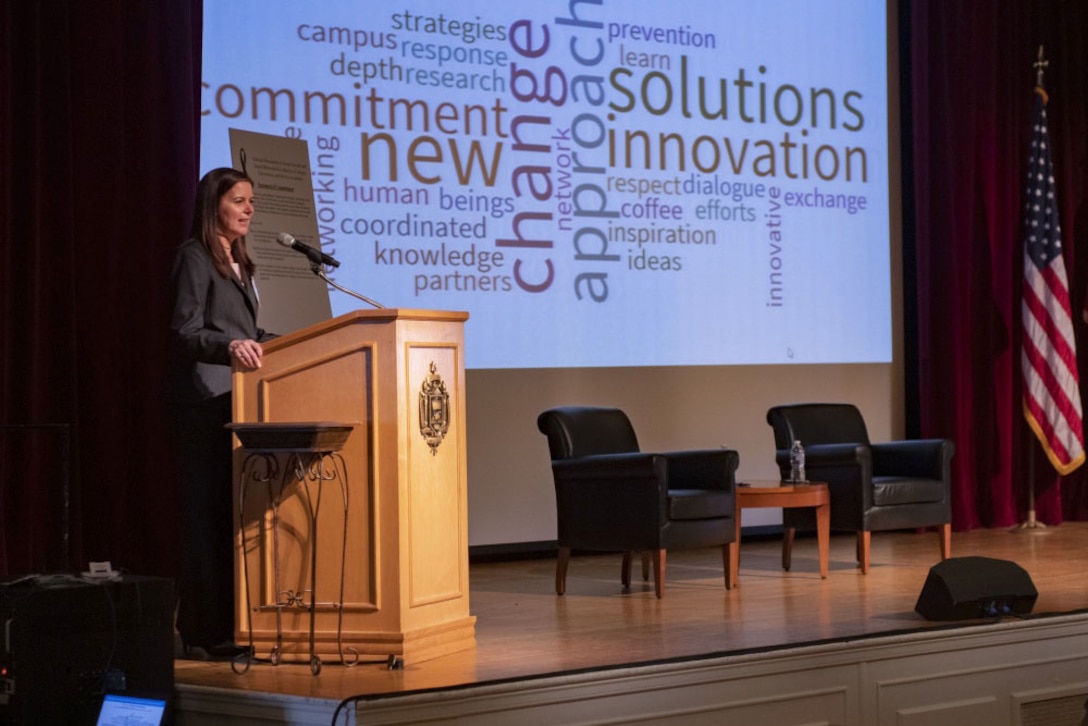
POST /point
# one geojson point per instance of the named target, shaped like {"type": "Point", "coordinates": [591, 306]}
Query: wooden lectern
{"type": "Point", "coordinates": [400, 534]}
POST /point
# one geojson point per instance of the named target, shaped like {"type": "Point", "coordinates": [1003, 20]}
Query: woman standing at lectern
{"type": "Point", "coordinates": [214, 324]}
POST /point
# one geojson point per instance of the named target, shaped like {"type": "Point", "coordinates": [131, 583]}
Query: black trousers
{"type": "Point", "coordinates": [206, 570]}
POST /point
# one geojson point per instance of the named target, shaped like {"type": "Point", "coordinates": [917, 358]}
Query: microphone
{"type": "Point", "coordinates": [315, 256]}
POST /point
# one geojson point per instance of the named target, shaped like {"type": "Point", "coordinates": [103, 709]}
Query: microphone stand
{"type": "Point", "coordinates": [316, 269]}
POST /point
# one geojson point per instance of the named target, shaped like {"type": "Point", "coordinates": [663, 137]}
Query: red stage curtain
{"type": "Point", "coordinates": [971, 80]}
{"type": "Point", "coordinates": [98, 139]}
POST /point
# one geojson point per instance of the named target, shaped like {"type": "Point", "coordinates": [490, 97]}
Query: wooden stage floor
{"type": "Point", "coordinates": [524, 630]}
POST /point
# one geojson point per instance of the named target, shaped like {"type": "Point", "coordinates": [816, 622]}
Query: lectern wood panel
{"type": "Point", "coordinates": [434, 490]}
{"type": "Point", "coordinates": [398, 377]}
{"type": "Point", "coordinates": [301, 392]}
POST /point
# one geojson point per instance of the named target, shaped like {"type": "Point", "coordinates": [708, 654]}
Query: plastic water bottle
{"type": "Point", "coordinates": [797, 462]}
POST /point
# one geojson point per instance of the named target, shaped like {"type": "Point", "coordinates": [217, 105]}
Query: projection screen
{"type": "Point", "coordinates": [599, 184]}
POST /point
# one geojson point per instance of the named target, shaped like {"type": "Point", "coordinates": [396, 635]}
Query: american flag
{"type": "Point", "coordinates": [1049, 357]}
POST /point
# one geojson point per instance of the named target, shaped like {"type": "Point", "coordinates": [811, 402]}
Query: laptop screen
{"type": "Point", "coordinates": [130, 711]}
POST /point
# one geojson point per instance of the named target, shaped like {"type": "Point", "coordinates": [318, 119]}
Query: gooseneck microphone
{"type": "Point", "coordinates": [314, 255]}
{"type": "Point", "coordinates": [318, 258]}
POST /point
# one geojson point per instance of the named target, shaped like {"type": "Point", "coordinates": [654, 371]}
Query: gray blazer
{"type": "Point", "coordinates": [209, 312]}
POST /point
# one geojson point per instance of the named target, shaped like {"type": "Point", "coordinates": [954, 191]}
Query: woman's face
{"type": "Point", "coordinates": [235, 210]}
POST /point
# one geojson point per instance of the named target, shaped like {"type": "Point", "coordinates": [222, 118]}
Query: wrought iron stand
{"type": "Point", "coordinates": [311, 458]}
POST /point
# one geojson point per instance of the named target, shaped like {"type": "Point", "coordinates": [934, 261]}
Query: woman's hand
{"type": "Point", "coordinates": [247, 352]}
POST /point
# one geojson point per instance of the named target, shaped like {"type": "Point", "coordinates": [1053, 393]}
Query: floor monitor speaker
{"type": "Point", "coordinates": [963, 588]}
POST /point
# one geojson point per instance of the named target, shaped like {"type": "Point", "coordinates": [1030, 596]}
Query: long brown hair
{"type": "Point", "coordinates": [205, 226]}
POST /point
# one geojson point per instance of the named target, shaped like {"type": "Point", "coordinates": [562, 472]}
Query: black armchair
{"type": "Point", "coordinates": [874, 487]}
{"type": "Point", "coordinates": [610, 496]}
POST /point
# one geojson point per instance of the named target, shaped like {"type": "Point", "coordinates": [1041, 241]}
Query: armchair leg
{"type": "Point", "coordinates": [625, 577]}
{"type": "Point", "coordinates": [729, 560]}
{"type": "Point", "coordinates": [946, 540]}
{"type": "Point", "coordinates": [864, 541]}
{"type": "Point", "coordinates": [561, 570]}
{"type": "Point", "coordinates": [659, 573]}
{"type": "Point", "coordinates": [787, 548]}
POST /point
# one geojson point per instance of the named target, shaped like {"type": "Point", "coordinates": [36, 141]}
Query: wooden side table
{"type": "Point", "coordinates": [773, 493]}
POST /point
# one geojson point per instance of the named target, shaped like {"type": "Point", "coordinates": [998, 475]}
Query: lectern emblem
{"type": "Point", "coordinates": [434, 409]}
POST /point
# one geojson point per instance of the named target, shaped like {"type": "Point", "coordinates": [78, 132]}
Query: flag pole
{"type": "Point", "coordinates": [1031, 523]}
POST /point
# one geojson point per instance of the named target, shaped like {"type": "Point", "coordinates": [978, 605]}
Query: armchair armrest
{"type": "Point", "coordinates": [702, 469]}
{"type": "Point", "coordinates": [628, 475]}
{"type": "Point", "coordinates": [828, 456]}
{"type": "Point", "coordinates": [610, 495]}
{"type": "Point", "coordinates": [922, 458]}
{"type": "Point", "coordinates": [847, 469]}
{"type": "Point", "coordinates": [607, 467]}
